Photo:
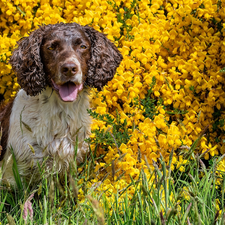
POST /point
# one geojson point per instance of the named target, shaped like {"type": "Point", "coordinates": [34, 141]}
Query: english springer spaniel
{"type": "Point", "coordinates": [55, 65]}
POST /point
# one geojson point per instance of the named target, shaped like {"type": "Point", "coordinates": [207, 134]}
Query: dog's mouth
{"type": "Point", "coordinates": [68, 91]}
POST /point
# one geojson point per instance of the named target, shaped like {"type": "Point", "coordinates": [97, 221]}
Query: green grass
{"type": "Point", "coordinates": [173, 197]}
{"type": "Point", "coordinates": [166, 197]}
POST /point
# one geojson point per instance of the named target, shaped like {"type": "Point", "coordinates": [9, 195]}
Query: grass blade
{"type": "Point", "coordinates": [186, 214]}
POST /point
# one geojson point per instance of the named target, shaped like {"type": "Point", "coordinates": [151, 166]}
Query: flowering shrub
{"type": "Point", "coordinates": [167, 90]}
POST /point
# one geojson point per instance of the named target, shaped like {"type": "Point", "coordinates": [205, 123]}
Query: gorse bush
{"type": "Point", "coordinates": [167, 90]}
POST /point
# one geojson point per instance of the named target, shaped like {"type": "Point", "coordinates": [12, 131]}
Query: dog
{"type": "Point", "coordinates": [55, 66]}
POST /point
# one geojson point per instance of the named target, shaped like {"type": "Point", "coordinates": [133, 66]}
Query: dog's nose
{"type": "Point", "coordinates": [69, 69]}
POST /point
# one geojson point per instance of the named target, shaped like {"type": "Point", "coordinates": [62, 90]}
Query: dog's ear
{"type": "Point", "coordinates": [26, 62]}
{"type": "Point", "coordinates": [105, 58]}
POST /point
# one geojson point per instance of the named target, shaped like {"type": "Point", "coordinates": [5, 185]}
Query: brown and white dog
{"type": "Point", "coordinates": [54, 67]}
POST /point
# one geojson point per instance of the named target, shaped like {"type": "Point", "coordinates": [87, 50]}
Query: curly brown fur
{"type": "Point", "coordinates": [5, 112]}
{"type": "Point", "coordinates": [105, 58]}
{"type": "Point", "coordinates": [26, 62]}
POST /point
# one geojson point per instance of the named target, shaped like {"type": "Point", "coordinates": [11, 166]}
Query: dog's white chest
{"type": "Point", "coordinates": [44, 126]}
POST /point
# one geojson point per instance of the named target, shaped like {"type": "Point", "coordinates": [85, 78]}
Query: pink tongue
{"type": "Point", "coordinates": [69, 90]}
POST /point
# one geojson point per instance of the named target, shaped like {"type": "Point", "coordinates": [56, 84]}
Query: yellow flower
{"type": "Point", "coordinates": [182, 51]}
{"type": "Point", "coordinates": [182, 169]}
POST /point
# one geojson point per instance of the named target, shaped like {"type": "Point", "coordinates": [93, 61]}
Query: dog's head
{"type": "Point", "coordinates": [65, 57]}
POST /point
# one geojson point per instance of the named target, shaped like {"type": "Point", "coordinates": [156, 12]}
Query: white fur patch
{"type": "Point", "coordinates": [79, 74]}
{"type": "Point", "coordinates": [50, 126]}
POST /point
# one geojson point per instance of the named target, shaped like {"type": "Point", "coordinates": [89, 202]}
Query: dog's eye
{"type": "Point", "coordinates": [51, 48]}
{"type": "Point", "coordinates": [83, 46]}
